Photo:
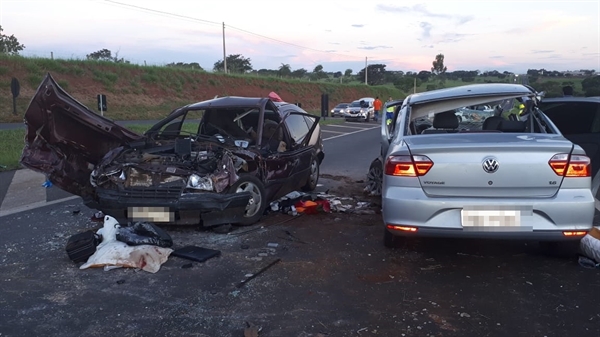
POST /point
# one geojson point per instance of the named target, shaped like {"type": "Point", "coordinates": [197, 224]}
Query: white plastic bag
{"type": "Point", "coordinates": [111, 252]}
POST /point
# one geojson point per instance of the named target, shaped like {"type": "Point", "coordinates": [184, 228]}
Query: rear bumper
{"type": "Point", "coordinates": [188, 208]}
{"type": "Point", "coordinates": [568, 210]}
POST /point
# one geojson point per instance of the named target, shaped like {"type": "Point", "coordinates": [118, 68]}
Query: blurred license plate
{"type": "Point", "coordinates": [153, 214]}
{"type": "Point", "coordinates": [490, 218]}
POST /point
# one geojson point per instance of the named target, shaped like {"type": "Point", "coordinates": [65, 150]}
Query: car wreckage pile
{"type": "Point", "coordinates": [224, 161]}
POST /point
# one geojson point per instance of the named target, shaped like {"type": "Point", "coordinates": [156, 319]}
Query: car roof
{"type": "Point", "coordinates": [472, 90]}
{"type": "Point", "coordinates": [224, 102]}
{"type": "Point", "coordinates": [571, 99]}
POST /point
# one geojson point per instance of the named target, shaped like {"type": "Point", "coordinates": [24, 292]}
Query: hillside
{"type": "Point", "coordinates": [149, 92]}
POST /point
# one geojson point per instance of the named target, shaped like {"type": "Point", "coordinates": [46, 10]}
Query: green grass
{"type": "Point", "coordinates": [11, 146]}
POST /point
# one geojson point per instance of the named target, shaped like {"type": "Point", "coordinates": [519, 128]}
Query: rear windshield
{"type": "Point", "coordinates": [498, 116]}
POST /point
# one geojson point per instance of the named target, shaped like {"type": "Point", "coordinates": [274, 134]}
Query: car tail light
{"type": "Point", "coordinates": [573, 166]}
{"type": "Point", "coordinates": [575, 233]}
{"type": "Point", "coordinates": [407, 166]}
{"type": "Point", "coordinates": [402, 228]}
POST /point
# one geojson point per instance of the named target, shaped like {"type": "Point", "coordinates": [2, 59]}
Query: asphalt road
{"type": "Point", "coordinates": [338, 280]}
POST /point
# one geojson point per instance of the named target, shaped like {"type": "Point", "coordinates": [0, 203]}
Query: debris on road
{"type": "Point", "coordinates": [305, 203]}
{"type": "Point", "coordinates": [111, 252]}
{"type": "Point", "coordinates": [251, 330]}
{"type": "Point", "coordinates": [241, 284]}
{"type": "Point", "coordinates": [194, 253]}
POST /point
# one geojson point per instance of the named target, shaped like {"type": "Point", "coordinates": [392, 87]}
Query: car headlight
{"type": "Point", "coordinates": [200, 183]}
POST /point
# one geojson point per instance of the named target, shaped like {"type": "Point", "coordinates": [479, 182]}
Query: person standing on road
{"type": "Point", "coordinates": [377, 107]}
{"type": "Point", "coordinates": [389, 113]}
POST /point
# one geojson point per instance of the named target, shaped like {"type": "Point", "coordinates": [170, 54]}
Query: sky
{"type": "Point", "coordinates": [404, 35]}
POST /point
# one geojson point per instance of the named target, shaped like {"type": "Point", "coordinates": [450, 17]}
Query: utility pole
{"type": "Point", "coordinates": [366, 71]}
{"type": "Point", "coordinates": [224, 57]}
{"type": "Point", "coordinates": [415, 86]}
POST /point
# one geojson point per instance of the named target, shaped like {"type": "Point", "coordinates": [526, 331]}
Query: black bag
{"type": "Point", "coordinates": [83, 245]}
{"type": "Point", "coordinates": [144, 233]}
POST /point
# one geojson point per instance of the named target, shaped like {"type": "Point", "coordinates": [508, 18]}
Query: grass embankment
{"type": "Point", "coordinates": [137, 92]}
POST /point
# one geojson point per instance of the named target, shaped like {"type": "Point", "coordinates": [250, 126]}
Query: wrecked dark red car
{"type": "Point", "coordinates": [214, 162]}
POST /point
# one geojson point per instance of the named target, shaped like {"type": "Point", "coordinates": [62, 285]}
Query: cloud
{"type": "Point", "coordinates": [553, 56]}
{"type": "Point", "coordinates": [330, 51]}
{"type": "Point", "coordinates": [357, 26]}
{"type": "Point", "coordinates": [422, 9]}
{"type": "Point", "coordinates": [426, 30]}
{"type": "Point", "coordinates": [336, 43]}
{"type": "Point", "coordinates": [451, 37]}
{"type": "Point", "coordinates": [328, 30]}
{"type": "Point", "coordinates": [536, 51]}
{"type": "Point", "coordinates": [374, 47]}
{"type": "Point", "coordinates": [428, 46]}
{"type": "Point", "coordinates": [496, 57]}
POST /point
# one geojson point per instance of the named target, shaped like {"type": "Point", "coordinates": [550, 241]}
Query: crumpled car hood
{"type": "Point", "coordinates": [65, 139]}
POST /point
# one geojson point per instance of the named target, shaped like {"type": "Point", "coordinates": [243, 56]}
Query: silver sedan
{"type": "Point", "coordinates": [503, 177]}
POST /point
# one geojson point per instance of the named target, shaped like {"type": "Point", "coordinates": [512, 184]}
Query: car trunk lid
{"type": "Point", "coordinates": [490, 165]}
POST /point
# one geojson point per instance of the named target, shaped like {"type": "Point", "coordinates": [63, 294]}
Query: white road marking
{"type": "Point", "coordinates": [349, 127]}
{"type": "Point", "coordinates": [35, 205]}
{"type": "Point", "coordinates": [331, 131]}
{"type": "Point", "coordinates": [350, 133]}
{"type": "Point", "coordinates": [25, 188]}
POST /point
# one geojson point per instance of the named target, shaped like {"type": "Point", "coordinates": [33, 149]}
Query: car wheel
{"type": "Point", "coordinates": [375, 178]}
{"type": "Point", "coordinates": [368, 118]}
{"type": "Point", "coordinates": [257, 203]}
{"type": "Point", "coordinates": [313, 177]}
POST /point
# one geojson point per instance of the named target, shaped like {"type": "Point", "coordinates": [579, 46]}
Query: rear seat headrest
{"type": "Point", "coordinates": [445, 120]}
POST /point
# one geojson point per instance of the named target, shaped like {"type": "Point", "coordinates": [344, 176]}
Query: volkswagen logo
{"type": "Point", "coordinates": [490, 165]}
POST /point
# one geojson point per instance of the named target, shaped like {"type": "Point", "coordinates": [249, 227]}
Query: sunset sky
{"type": "Point", "coordinates": [405, 35]}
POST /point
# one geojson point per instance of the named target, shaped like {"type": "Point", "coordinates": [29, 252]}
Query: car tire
{"type": "Point", "coordinates": [313, 177]}
{"type": "Point", "coordinates": [257, 204]}
{"type": "Point", "coordinates": [375, 178]}
{"type": "Point", "coordinates": [368, 118]}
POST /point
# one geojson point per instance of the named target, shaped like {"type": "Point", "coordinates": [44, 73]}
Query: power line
{"type": "Point", "coordinates": [163, 12]}
{"type": "Point", "coordinates": [229, 26]}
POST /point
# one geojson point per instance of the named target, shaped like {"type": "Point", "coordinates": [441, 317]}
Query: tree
{"type": "Point", "coordinates": [337, 74]}
{"type": "Point", "coordinates": [424, 75]}
{"type": "Point", "coordinates": [193, 65]}
{"type": "Point", "coordinates": [235, 64]}
{"type": "Point", "coordinates": [591, 86]}
{"type": "Point", "coordinates": [438, 65]}
{"type": "Point", "coordinates": [105, 55]}
{"type": "Point", "coordinates": [318, 73]}
{"type": "Point", "coordinates": [285, 70]}
{"type": "Point", "coordinates": [375, 74]}
{"type": "Point", "coordinates": [299, 73]}
{"type": "Point", "coordinates": [9, 44]}
{"type": "Point", "coordinates": [348, 73]}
